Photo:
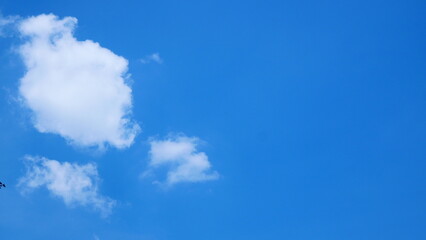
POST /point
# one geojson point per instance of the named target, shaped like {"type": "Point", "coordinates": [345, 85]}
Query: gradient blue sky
{"type": "Point", "coordinates": [312, 112]}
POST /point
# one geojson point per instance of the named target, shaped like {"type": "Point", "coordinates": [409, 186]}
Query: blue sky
{"type": "Point", "coordinates": [245, 120]}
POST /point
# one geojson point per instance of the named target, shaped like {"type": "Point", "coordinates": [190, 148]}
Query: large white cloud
{"type": "Point", "coordinates": [180, 155]}
{"type": "Point", "coordinates": [76, 89]}
{"type": "Point", "coordinates": [74, 184]}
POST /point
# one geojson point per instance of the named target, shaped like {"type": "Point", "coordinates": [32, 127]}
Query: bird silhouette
{"type": "Point", "coordinates": [2, 185]}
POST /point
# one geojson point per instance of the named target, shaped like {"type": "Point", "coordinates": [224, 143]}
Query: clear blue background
{"type": "Point", "coordinates": [313, 112]}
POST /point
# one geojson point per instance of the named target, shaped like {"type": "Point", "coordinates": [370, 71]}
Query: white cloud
{"type": "Point", "coordinates": [184, 162]}
{"type": "Point", "coordinates": [6, 23]}
{"type": "Point", "coordinates": [155, 57]}
{"type": "Point", "coordinates": [74, 184]}
{"type": "Point", "coordinates": [76, 89]}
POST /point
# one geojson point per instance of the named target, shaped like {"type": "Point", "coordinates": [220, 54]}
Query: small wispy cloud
{"type": "Point", "coordinates": [7, 24]}
{"type": "Point", "coordinates": [155, 57]}
{"type": "Point", "coordinates": [74, 184]}
{"type": "Point", "coordinates": [183, 161]}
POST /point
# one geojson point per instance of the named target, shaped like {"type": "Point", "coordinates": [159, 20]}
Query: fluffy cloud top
{"type": "Point", "coordinates": [74, 88]}
{"type": "Point", "coordinates": [184, 162]}
{"type": "Point", "coordinates": [75, 184]}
